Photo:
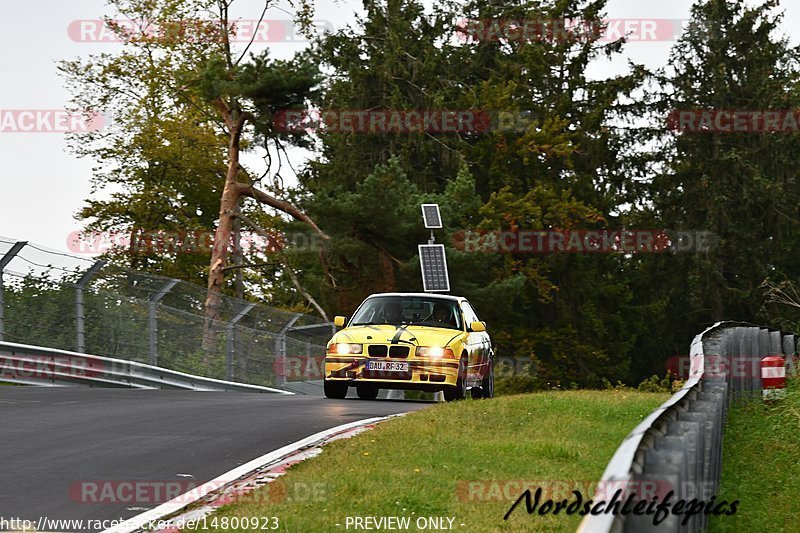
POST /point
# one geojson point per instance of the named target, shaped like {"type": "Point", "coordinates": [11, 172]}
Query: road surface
{"type": "Point", "coordinates": [67, 453]}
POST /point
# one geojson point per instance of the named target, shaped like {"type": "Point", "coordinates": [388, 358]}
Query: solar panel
{"type": "Point", "coordinates": [431, 216]}
{"type": "Point", "coordinates": [433, 263]}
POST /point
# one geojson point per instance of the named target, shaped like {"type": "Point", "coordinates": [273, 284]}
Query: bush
{"type": "Point", "coordinates": [656, 384]}
{"type": "Point", "coordinates": [516, 384]}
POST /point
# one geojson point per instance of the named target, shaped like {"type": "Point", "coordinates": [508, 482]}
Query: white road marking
{"type": "Point", "coordinates": [219, 483]}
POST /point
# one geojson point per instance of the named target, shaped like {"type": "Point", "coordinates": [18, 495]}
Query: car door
{"type": "Point", "coordinates": [476, 343]}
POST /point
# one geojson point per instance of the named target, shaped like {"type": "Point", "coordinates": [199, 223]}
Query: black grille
{"type": "Point", "coordinates": [398, 351]}
{"type": "Point", "coordinates": [377, 351]}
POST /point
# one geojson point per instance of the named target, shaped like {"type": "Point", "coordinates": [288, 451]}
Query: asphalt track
{"type": "Point", "coordinates": [56, 442]}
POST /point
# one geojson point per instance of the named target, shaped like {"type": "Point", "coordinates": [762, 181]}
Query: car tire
{"type": "Point", "coordinates": [335, 389]}
{"type": "Point", "coordinates": [487, 383]}
{"type": "Point", "coordinates": [459, 391]}
{"type": "Point", "coordinates": [367, 392]}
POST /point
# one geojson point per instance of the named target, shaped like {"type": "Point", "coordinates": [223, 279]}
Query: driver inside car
{"type": "Point", "coordinates": [441, 314]}
{"type": "Point", "coordinates": [393, 312]}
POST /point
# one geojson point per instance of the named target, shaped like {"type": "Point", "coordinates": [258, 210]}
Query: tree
{"type": "Point", "coordinates": [564, 168]}
{"type": "Point", "coordinates": [742, 186]}
{"type": "Point", "coordinates": [187, 104]}
{"type": "Point", "coordinates": [159, 156]}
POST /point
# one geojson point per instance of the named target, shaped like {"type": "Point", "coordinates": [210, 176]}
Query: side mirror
{"type": "Point", "coordinates": [477, 327]}
{"type": "Point", "coordinates": [339, 321]}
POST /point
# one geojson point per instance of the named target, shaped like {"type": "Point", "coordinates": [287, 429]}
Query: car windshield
{"type": "Point", "coordinates": [409, 310]}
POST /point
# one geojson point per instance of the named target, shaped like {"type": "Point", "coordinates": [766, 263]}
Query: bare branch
{"type": "Point", "coordinates": [260, 19]}
{"type": "Point", "coordinates": [783, 293]}
{"type": "Point", "coordinates": [289, 270]}
{"type": "Point", "coordinates": [281, 205]}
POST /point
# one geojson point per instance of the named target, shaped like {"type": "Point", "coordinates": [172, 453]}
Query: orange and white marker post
{"type": "Point", "coordinates": [773, 378]}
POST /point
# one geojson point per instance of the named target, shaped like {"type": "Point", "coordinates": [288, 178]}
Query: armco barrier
{"type": "Point", "coordinates": [35, 365]}
{"type": "Point", "coordinates": [678, 447]}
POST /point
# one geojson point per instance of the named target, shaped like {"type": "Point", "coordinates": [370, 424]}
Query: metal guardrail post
{"type": "Point", "coordinates": [79, 304]}
{"type": "Point", "coordinates": [229, 336]}
{"type": "Point", "coordinates": [152, 319]}
{"type": "Point", "coordinates": [280, 349]}
{"type": "Point", "coordinates": [3, 263]}
{"type": "Point", "coordinates": [789, 350]}
{"type": "Point", "coordinates": [679, 445]}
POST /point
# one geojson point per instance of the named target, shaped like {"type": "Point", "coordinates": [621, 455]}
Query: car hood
{"type": "Point", "coordinates": [383, 334]}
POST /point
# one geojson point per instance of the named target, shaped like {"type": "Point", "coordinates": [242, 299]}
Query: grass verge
{"type": "Point", "coordinates": [761, 465]}
{"type": "Point", "coordinates": [421, 465]}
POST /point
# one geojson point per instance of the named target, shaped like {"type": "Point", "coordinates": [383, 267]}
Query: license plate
{"type": "Point", "coordinates": [387, 366]}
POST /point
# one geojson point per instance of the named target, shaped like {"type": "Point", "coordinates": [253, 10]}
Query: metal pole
{"type": "Point", "coordinates": [79, 307]}
{"type": "Point", "coordinates": [229, 336]}
{"type": "Point", "coordinates": [280, 348]}
{"type": "Point", "coordinates": [3, 262]}
{"type": "Point", "coordinates": [152, 318]}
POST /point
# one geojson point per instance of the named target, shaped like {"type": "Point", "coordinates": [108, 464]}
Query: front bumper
{"type": "Point", "coordinates": [423, 373]}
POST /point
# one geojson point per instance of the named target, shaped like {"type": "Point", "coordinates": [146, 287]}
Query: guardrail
{"type": "Point", "coordinates": [77, 303]}
{"type": "Point", "coordinates": [678, 447]}
{"type": "Point", "coordinates": [36, 365]}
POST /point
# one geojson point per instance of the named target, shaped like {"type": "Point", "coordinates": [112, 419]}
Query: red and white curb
{"type": "Point", "coordinates": [226, 488]}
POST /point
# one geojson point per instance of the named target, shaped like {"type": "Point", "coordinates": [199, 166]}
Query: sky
{"type": "Point", "coordinates": [42, 185]}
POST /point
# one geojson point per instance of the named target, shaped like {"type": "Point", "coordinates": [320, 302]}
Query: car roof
{"type": "Point", "coordinates": [419, 294]}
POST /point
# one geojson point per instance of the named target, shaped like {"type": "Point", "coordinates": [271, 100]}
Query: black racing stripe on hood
{"type": "Point", "coordinates": [399, 332]}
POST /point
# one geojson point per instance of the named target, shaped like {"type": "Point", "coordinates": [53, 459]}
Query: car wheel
{"type": "Point", "coordinates": [487, 383]}
{"type": "Point", "coordinates": [367, 392]}
{"type": "Point", "coordinates": [335, 389]}
{"type": "Point", "coordinates": [459, 392]}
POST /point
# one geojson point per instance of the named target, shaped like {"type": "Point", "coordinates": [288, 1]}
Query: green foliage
{"type": "Point", "coordinates": [518, 384]}
{"type": "Point", "coordinates": [160, 158]}
{"type": "Point", "coordinates": [566, 312]}
{"type": "Point", "coordinates": [161, 165]}
{"type": "Point", "coordinates": [582, 158]}
{"type": "Point", "coordinates": [656, 384]}
{"type": "Point", "coordinates": [757, 438]}
{"type": "Point", "coordinates": [741, 186]}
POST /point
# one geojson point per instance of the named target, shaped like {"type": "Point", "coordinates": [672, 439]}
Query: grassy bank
{"type": "Point", "coordinates": [761, 465]}
{"type": "Point", "coordinates": [457, 460]}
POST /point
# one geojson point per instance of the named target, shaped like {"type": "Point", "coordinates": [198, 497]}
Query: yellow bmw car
{"type": "Point", "coordinates": [413, 341]}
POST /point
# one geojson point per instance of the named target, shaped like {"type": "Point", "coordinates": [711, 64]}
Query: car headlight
{"type": "Point", "coordinates": [435, 351]}
{"type": "Point", "coordinates": [344, 348]}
